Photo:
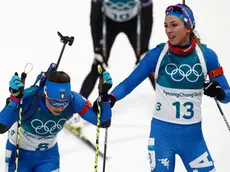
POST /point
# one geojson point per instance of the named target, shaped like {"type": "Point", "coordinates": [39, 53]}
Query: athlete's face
{"type": "Point", "coordinates": [177, 32]}
{"type": "Point", "coordinates": [54, 110]}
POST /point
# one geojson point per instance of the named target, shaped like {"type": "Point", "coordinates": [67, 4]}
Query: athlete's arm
{"type": "Point", "coordinates": [142, 71]}
{"type": "Point", "coordinates": [84, 108]}
{"type": "Point", "coordinates": [215, 72]}
{"type": "Point", "coordinates": [10, 113]}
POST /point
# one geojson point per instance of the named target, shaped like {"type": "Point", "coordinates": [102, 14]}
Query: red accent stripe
{"type": "Point", "coordinates": [85, 108]}
{"type": "Point", "coordinates": [153, 74]}
{"type": "Point", "coordinates": [14, 99]}
{"type": "Point", "coordinates": [216, 72]}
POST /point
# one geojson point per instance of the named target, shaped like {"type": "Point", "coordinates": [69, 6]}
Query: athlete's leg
{"type": "Point", "coordinates": [145, 34]}
{"type": "Point", "coordinates": [24, 164]}
{"type": "Point", "coordinates": [194, 151]}
{"type": "Point", "coordinates": [146, 30]}
{"type": "Point", "coordinates": [146, 23]}
{"type": "Point", "coordinates": [96, 29]}
{"type": "Point", "coordinates": [96, 16]}
{"type": "Point", "coordinates": [48, 164]}
{"type": "Point", "coordinates": [161, 147]}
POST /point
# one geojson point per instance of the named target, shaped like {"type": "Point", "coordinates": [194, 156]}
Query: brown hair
{"type": "Point", "coordinates": [58, 77]}
{"type": "Point", "coordinates": [193, 33]}
{"type": "Point", "coordinates": [195, 36]}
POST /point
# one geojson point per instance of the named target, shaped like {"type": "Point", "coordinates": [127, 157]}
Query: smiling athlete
{"type": "Point", "coordinates": [181, 67]}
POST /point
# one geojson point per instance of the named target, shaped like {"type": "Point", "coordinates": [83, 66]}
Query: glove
{"type": "Point", "coordinates": [213, 89]}
{"type": "Point", "coordinates": [112, 99]}
{"type": "Point", "coordinates": [103, 124]}
{"type": "Point", "coordinates": [103, 95]}
{"type": "Point", "coordinates": [15, 87]}
{"type": "Point", "coordinates": [106, 124]}
{"type": "Point", "coordinates": [106, 85]}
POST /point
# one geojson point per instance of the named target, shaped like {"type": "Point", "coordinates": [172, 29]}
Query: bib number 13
{"type": "Point", "coordinates": [189, 110]}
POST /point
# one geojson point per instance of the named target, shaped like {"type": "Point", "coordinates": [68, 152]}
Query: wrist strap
{"type": "Point", "coordinates": [14, 99]}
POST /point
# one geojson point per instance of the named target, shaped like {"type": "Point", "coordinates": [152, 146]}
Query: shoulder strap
{"type": "Point", "coordinates": [33, 106]}
{"type": "Point", "coordinates": [199, 53]}
{"type": "Point", "coordinates": [202, 60]}
{"type": "Point", "coordinates": [163, 52]}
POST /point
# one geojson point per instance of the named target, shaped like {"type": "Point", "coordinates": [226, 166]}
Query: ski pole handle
{"type": "Point", "coordinates": [100, 70]}
{"type": "Point", "coordinates": [23, 78]}
{"type": "Point", "coordinates": [64, 40]}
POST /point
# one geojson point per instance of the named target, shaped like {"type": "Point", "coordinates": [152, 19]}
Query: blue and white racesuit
{"type": "Point", "coordinates": [176, 122]}
{"type": "Point", "coordinates": [38, 148]}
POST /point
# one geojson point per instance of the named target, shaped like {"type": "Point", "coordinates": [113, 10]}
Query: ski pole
{"type": "Point", "coordinates": [104, 54]}
{"type": "Point", "coordinates": [23, 78]}
{"type": "Point", "coordinates": [138, 49]}
{"type": "Point", "coordinates": [105, 148]}
{"type": "Point", "coordinates": [100, 71]}
{"type": "Point", "coordinates": [98, 122]}
{"type": "Point", "coordinates": [65, 40]}
{"type": "Point", "coordinates": [183, 2]}
{"type": "Point", "coordinates": [222, 113]}
{"type": "Point", "coordinates": [220, 109]}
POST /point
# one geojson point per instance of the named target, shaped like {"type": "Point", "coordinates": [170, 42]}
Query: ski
{"type": "Point", "coordinates": [76, 132]}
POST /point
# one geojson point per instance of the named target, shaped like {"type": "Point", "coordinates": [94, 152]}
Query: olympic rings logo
{"type": "Point", "coordinates": [121, 5]}
{"type": "Point", "coordinates": [50, 126]}
{"type": "Point", "coordinates": [184, 71]}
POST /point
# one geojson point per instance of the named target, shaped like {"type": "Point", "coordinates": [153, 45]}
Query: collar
{"type": "Point", "coordinates": [183, 51]}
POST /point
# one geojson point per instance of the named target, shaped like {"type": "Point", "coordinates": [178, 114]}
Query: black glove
{"type": "Point", "coordinates": [103, 95]}
{"type": "Point", "coordinates": [106, 85]}
{"type": "Point", "coordinates": [105, 124]}
{"type": "Point", "coordinates": [213, 89]}
{"type": "Point", "coordinates": [112, 100]}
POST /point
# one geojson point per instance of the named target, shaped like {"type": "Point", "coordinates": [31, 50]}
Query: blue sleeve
{"type": "Point", "coordinates": [10, 113]}
{"type": "Point", "coordinates": [91, 116]}
{"type": "Point", "coordinates": [142, 71]}
{"type": "Point", "coordinates": [212, 64]}
{"type": "Point", "coordinates": [79, 103]}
